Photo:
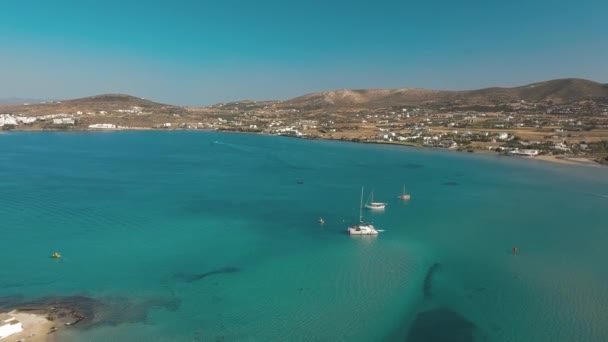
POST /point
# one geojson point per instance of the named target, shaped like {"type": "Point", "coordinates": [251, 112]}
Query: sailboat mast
{"type": "Point", "coordinates": [361, 207]}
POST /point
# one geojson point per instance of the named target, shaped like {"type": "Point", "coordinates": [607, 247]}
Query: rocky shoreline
{"type": "Point", "coordinates": [81, 312]}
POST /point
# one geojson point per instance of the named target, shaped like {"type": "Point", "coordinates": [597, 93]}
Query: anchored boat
{"type": "Point", "coordinates": [362, 228]}
{"type": "Point", "coordinates": [371, 205]}
{"type": "Point", "coordinates": [404, 195]}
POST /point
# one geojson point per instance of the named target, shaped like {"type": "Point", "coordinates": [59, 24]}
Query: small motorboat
{"type": "Point", "coordinates": [56, 255]}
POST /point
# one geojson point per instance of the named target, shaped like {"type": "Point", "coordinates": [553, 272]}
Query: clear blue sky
{"type": "Point", "coordinates": [203, 52]}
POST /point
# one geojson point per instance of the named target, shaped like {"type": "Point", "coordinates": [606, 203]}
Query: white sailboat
{"type": "Point", "coordinates": [362, 228]}
{"type": "Point", "coordinates": [371, 205]}
{"type": "Point", "coordinates": [404, 195]}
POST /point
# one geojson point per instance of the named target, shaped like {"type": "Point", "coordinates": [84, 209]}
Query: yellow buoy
{"type": "Point", "coordinates": [56, 255]}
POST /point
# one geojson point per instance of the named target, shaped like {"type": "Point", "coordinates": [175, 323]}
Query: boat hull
{"type": "Point", "coordinates": [375, 206]}
{"type": "Point", "coordinates": [362, 230]}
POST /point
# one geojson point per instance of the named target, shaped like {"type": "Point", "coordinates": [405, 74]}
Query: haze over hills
{"type": "Point", "coordinates": [19, 101]}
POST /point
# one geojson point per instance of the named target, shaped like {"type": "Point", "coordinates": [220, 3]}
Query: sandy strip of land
{"type": "Point", "coordinates": [36, 328]}
{"type": "Point", "coordinates": [570, 161]}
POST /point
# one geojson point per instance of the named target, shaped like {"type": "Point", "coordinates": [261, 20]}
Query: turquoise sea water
{"type": "Point", "coordinates": [199, 236]}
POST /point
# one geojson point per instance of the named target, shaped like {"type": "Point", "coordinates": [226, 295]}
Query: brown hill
{"type": "Point", "coordinates": [116, 100]}
{"type": "Point", "coordinates": [561, 91]}
{"type": "Point", "coordinates": [97, 103]}
{"type": "Point", "coordinates": [556, 91]}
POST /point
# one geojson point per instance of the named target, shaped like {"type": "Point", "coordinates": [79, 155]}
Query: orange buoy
{"type": "Point", "coordinates": [514, 250]}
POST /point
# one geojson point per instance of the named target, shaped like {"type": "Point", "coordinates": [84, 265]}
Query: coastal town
{"type": "Point", "coordinates": [575, 131]}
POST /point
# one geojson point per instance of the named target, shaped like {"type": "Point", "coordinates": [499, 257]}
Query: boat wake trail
{"type": "Point", "coordinates": [600, 195]}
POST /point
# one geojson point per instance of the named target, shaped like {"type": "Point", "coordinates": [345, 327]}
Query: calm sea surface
{"type": "Point", "coordinates": [198, 236]}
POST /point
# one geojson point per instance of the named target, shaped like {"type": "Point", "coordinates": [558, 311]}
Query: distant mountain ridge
{"type": "Point", "coordinates": [558, 91]}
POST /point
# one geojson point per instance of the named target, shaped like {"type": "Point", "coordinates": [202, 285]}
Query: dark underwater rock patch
{"type": "Point", "coordinates": [450, 183]}
{"type": "Point", "coordinates": [441, 325]}
{"type": "Point", "coordinates": [87, 312]}
{"type": "Point", "coordinates": [412, 166]}
{"type": "Point", "coordinates": [190, 278]}
{"type": "Point", "coordinates": [9, 301]}
{"type": "Point", "coordinates": [427, 288]}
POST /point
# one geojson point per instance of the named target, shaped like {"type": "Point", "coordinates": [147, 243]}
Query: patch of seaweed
{"type": "Point", "coordinates": [441, 325]}
{"type": "Point", "coordinates": [412, 166]}
{"type": "Point", "coordinates": [89, 312]}
{"type": "Point", "coordinates": [9, 301]}
{"type": "Point", "coordinates": [427, 288]}
{"type": "Point", "coordinates": [190, 278]}
{"type": "Point", "coordinates": [450, 183]}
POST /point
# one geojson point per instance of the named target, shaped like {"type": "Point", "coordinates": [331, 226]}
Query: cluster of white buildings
{"type": "Point", "coordinates": [9, 119]}
{"type": "Point", "coordinates": [15, 120]}
{"type": "Point", "coordinates": [287, 131]}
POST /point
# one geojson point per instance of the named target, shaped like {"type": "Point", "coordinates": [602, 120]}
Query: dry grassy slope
{"type": "Point", "coordinates": [564, 91]}
{"type": "Point", "coordinates": [557, 91]}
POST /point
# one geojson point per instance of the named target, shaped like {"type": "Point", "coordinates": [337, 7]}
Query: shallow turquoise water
{"type": "Point", "coordinates": [209, 237]}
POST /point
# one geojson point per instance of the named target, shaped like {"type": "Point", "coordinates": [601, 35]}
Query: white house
{"type": "Point", "coordinates": [561, 146]}
{"type": "Point", "coordinates": [63, 121]}
{"type": "Point", "coordinates": [525, 152]}
{"type": "Point", "coordinates": [9, 325]}
{"type": "Point", "coordinates": [102, 126]}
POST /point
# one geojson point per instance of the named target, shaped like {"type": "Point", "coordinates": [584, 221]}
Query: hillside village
{"type": "Point", "coordinates": [517, 126]}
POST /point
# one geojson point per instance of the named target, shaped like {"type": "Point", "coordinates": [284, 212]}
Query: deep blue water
{"type": "Point", "coordinates": [207, 236]}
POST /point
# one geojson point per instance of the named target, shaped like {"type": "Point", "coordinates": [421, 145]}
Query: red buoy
{"type": "Point", "coordinates": [514, 250]}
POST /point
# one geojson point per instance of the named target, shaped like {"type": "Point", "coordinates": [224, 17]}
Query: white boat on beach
{"type": "Point", "coordinates": [371, 205]}
{"type": "Point", "coordinates": [362, 228]}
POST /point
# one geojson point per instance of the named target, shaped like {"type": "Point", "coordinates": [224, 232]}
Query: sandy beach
{"type": "Point", "coordinates": [569, 161]}
{"type": "Point", "coordinates": [36, 328]}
